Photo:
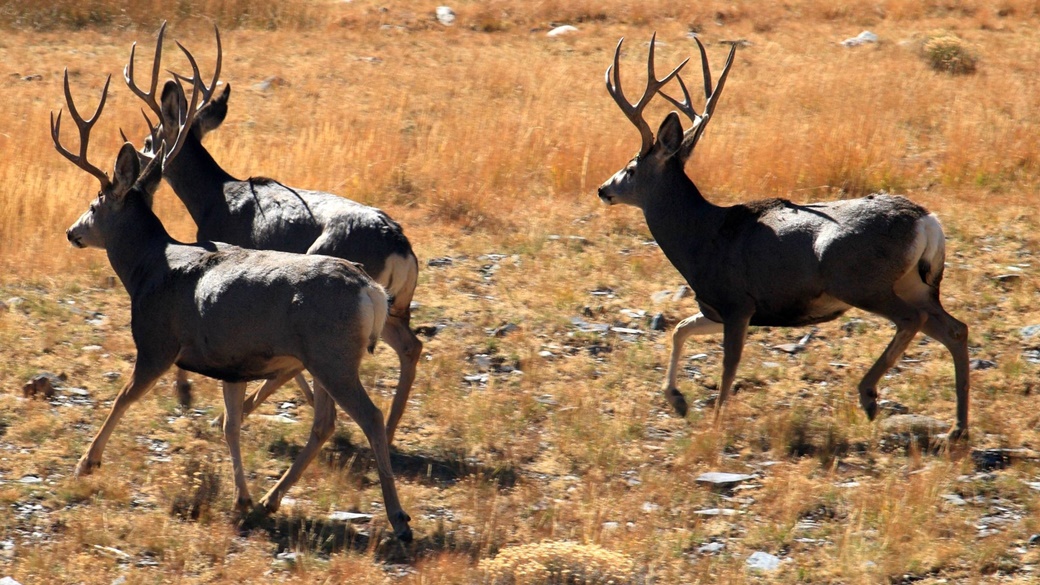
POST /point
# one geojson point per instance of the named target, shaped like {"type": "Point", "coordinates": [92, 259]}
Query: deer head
{"type": "Point", "coordinates": [660, 161]}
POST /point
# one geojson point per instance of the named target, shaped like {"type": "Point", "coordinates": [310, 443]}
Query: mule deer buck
{"type": "Point", "coordinates": [230, 313]}
{"type": "Point", "coordinates": [778, 263]}
{"type": "Point", "coordinates": [264, 214]}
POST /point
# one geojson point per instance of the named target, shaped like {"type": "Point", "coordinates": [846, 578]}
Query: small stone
{"type": "Point", "coordinates": [1007, 278]}
{"type": "Point", "coordinates": [1034, 540]}
{"type": "Point", "coordinates": [721, 480]}
{"type": "Point", "coordinates": [626, 331]}
{"type": "Point", "coordinates": [716, 512]}
{"type": "Point", "coordinates": [439, 262]}
{"type": "Point", "coordinates": [482, 361]}
{"type": "Point", "coordinates": [9, 581]}
{"type": "Point", "coordinates": [681, 293]}
{"type": "Point", "coordinates": [791, 348]}
{"type": "Point", "coordinates": [350, 517]}
{"type": "Point", "coordinates": [978, 364]}
{"type": "Point", "coordinates": [657, 323]}
{"type": "Point", "coordinates": [30, 479]}
{"type": "Point", "coordinates": [954, 499]}
{"type": "Point", "coordinates": [445, 15]}
{"type": "Point", "coordinates": [504, 330]}
{"type": "Point", "coordinates": [110, 376]}
{"type": "Point", "coordinates": [711, 548]}
{"type": "Point", "coordinates": [1026, 332]}
{"type": "Point", "coordinates": [860, 39]}
{"type": "Point", "coordinates": [661, 296]}
{"type": "Point", "coordinates": [892, 407]}
{"type": "Point", "coordinates": [763, 561]}
{"type": "Point", "coordinates": [562, 30]}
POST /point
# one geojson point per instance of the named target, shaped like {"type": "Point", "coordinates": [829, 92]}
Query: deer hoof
{"type": "Point", "coordinates": [677, 400]}
{"type": "Point", "coordinates": [86, 467]}
{"type": "Point", "coordinates": [869, 404]}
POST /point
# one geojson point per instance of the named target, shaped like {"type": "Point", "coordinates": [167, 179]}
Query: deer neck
{"type": "Point", "coordinates": [136, 244]}
{"type": "Point", "coordinates": [199, 182]}
{"type": "Point", "coordinates": [682, 222]}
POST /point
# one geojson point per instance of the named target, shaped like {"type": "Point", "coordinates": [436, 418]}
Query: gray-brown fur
{"type": "Point", "coordinates": [237, 315]}
{"type": "Point", "coordinates": [262, 213]}
{"type": "Point", "coordinates": [777, 263]}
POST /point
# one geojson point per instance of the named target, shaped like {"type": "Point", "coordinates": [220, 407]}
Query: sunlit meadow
{"type": "Point", "coordinates": [561, 462]}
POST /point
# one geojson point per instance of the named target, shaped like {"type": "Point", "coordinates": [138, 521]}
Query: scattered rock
{"type": "Point", "coordinates": [954, 499]}
{"type": "Point", "coordinates": [978, 364]}
{"type": "Point", "coordinates": [626, 331]}
{"type": "Point", "coordinates": [722, 480]}
{"type": "Point", "coordinates": [681, 293]}
{"type": "Point", "coordinates": [1033, 541]}
{"type": "Point", "coordinates": [711, 548]}
{"type": "Point", "coordinates": [990, 459]}
{"type": "Point", "coordinates": [504, 330]}
{"type": "Point", "coordinates": [266, 84]}
{"type": "Point", "coordinates": [763, 561]}
{"type": "Point", "coordinates": [442, 261]}
{"type": "Point", "coordinates": [661, 296]}
{"type": "Point", "coordinates": [791, 348]}
{"type": "Point", "coordinates": [9, 581]}
{"type": "Point", "coordinates": [716, 512]}
{"type": "Point", "coordinates": [1026, 332]}
{"type": "Point", "coordinates": [914, 424]}
{"type": "Point", "coordinates": [44, 385]}
{"type": "Point", "coordinates": [1007, 278]}
{"type": "Point", "coordinates": [350, 517]}
{"type": "Point", "coordinates": [562, 30]}
{"type": "Point", "coordinates": [30, 479]}
{"type": "Point", "coordinates": [33, 77]}
{"type": "Point", "coordinates": [111, 376]}
{"type": "Point", "coordinates": [657, 323]}
{"type": "Point", "coordinates": [586, 327]}
{"type": "Point", "coordinates": [860, 39]}
{"type": "Point", "coordinates": [892, 407]}
{"type": "Point", "coordinates": [445, 15]}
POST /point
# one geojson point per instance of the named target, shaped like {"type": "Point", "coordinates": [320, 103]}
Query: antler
{"type": "Point", "coordinates": [186, 118]}
{"type": "Point", "coordinates": [700, 121]}
{"type": "Point", "coordinates": [195, 79]}
{"type": "Point", "coordinates": [84, 132]}
{"type": "Point", "coordinates": [128, 75]}
{"type": "Point", "coordinates": [634, 112]}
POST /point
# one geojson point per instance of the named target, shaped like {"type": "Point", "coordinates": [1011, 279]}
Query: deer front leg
{"type": "Point", "coordinates": [323, 426]}
{"type": "Point", "coordinates": [141, 381]}
{"type": "Point", "coordinates": [734, 333]}
{"type": "Point", "coordinates": [695, 325]}
{"type": "Point", "coordinates": [234, 393]}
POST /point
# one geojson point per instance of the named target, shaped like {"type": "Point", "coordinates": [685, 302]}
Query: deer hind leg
{"type": "Point", "coordinates": [947, 330]}
{"type": "Point", "coordinates": [398, 335]}
{"type": "Point", "coordinates": [251, 402]}
{"type": "Point", "coordinates": [140, 382]}
{"type": "Point", "coordinates": [734, 333]}
{"type": "Point", "coordinates": [183, 388]}
{"type": "Point", "coordinates": [695, 325]}
{"type": "Point", "coordinates": [234, 392]}
{"type": "Point", "coordinates": [908, 321]}
{"type": "Point", "coordinates": [349, 394]}
{"type": "Point", "coordinates": [322, 427]}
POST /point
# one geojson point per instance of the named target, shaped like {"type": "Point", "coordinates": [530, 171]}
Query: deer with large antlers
{"type": "Point", "coordinates": [778, 263]}
{"type": "Point", "coordinates": [231, 313]}
{"type": "Point", "coordinates": [264, 214]}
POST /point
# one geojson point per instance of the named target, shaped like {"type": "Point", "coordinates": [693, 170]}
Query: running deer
{"type": "Point", "coordinates": [230, 313]}
{"type": "Point", "coordinates": [777, 263]}
{"type": "Point", "coordinates": [263, 214]}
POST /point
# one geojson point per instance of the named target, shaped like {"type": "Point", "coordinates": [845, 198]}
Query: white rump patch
{"type": "Point", "coordinates": [400, 273]}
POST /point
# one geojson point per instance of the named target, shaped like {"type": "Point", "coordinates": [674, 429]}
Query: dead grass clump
{"type": "Point", "coordinates": [948, 53]}
{"type": "Point", "coordinates": [563, 563]}
{"type": "Point", "coordinates": [201, 488]}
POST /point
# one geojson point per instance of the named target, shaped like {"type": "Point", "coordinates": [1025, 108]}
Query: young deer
{"type": "Point", "coordinates": [231, 313]}
{"type": "Point", "coordinates": [778, 263]}
{"type": "Point", "coordinates": [264, 214]}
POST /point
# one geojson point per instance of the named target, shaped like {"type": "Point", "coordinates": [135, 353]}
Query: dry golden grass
{"type": "Point", "coordinates": [488, 137]}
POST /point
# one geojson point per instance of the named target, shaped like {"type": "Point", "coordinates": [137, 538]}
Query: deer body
{"type": "Point", "coordinates": [777, 263]}
{"type": "Point", "coordinates": [263, 214]}
{"type": "Point", "coordinates": [234, 314]}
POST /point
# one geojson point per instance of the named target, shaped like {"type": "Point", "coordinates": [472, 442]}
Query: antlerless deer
{"type": "Point", "coordinates": [264, 214]}
{"type": "Point", "coordinates": [777, 263]}
{"type": "Point", "coordinates": [230, 313]}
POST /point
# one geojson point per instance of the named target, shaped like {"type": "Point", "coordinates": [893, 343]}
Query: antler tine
{"type": "Point", "coordinates": [712, 97]}
{"type": "Point", "coordinates": [84, 132]}
{"type": "Point", "coordinates": [128, 74]}
{"type": "Point", "coordinates": [185, 119]}
{"type": "Point", "coordinates": [195, 80]}
{"type": "Point", "coordinates": [634, 112]}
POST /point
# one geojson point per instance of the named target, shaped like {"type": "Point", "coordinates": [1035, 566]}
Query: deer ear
{"type": "Point", "coordinates": [670, 134]}
{"type": "Point", "coordinates": [173, 103]}
{"type": "Point", "coordinates": [126, 170]}
{"type": "Point", "coordinates": [212, 115]}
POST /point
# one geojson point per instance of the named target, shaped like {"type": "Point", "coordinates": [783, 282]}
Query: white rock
{"type": "Point", "coordinates": [9, 581]}
{"type": "Point", "coordinates": [860, 39]}
{"type": "Point", "coordinates": [763, 561]}
{"type": "Point", "coordinates": [562, 30]}
{"type": "Point", "coordinates": [445, 15]}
